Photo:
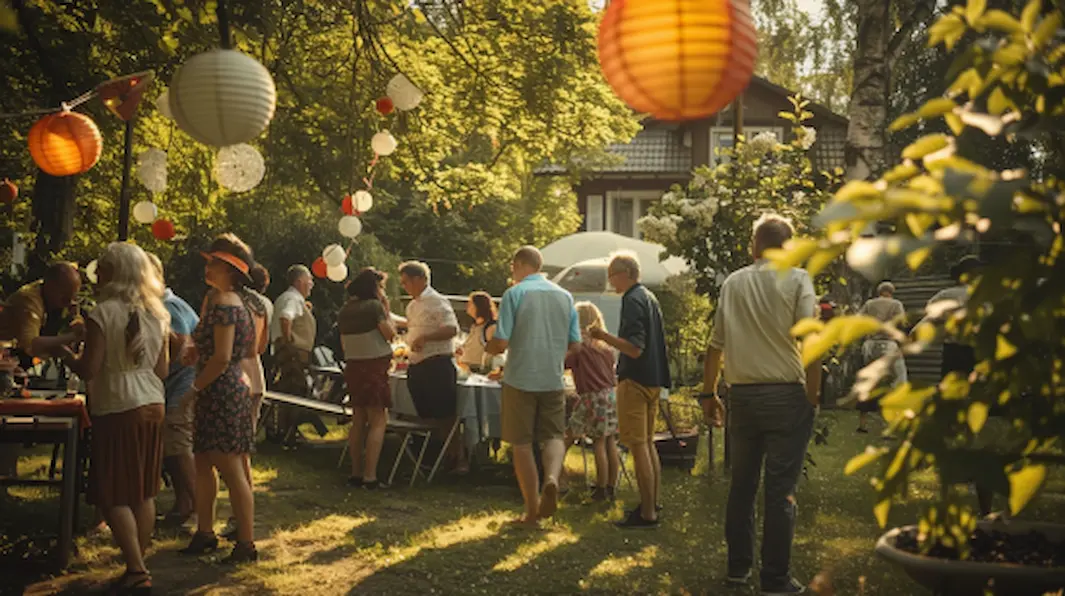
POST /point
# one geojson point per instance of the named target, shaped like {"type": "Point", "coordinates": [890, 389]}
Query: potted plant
{"type": "Point", "coordinates": [1000, 426]}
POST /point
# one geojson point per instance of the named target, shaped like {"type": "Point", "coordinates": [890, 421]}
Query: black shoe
{"type": "Point", "coordinates": [636, 510]}
{"type": "Point", "coordinates": [792, 587]}
{"type": "Point", "coordinates": [599, 494]}
{"type": "Point", "coordinates": [374, 485]}
{"type": "Point", "coordinates": [635, 521]}
{"type": "Point", "coordinates": [354, 481]}
{"type": "Point", "coordinates": [243, 552]}
{"type": "Point", "coordinates": [738, 579]}
{"type": "Point", "coordinates": [201, 544]}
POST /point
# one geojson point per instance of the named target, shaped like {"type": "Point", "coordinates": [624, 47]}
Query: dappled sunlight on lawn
{"type": "Point", "coordinates": [621, 565]}
{"type": "Point", "coordinates": [262, 477]}
{"type": "Point", "coordinates": [528, 552]}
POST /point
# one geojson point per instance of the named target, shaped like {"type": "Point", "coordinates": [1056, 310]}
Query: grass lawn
{"type": "Point", "coordinates": [316, 536]}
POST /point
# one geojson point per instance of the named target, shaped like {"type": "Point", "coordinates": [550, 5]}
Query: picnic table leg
{"type": "Point", "coordinates": [68, 496]}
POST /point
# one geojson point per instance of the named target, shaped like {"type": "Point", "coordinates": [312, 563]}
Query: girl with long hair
{"type": "Point", "coordinates": [482, 310]}
{"type": "Point", "coordinates": [125, 360]}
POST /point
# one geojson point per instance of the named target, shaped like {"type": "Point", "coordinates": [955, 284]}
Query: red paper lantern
{"type": "Point", "coordinates": [163, 229]}
{"type": "Point", "coordinates": [385, 106]}
{"type": "Point", "coordinates": [678, 59]}
{"type": "Point", "coordinates": [8, 192]}
{"type": "Point", "coordinates": [319, 268]}
{"type": "Point", "coordinates": [65, 143]}
{"type": "Point", "coordinates": [348, 205]}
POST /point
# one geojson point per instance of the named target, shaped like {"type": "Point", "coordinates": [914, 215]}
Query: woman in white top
{"type": "Point", "coordinates": [125, 361]}
{"type": "Point", "coordinates": [483, 312]}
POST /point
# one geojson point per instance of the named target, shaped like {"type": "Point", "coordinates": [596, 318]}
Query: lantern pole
{"type": "Point", "coordinates": [223, 24]}
{"type": "Point", "coordinates": [127, 165]}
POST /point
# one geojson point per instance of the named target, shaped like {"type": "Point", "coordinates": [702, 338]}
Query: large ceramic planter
{"type": "Point", "coordinates": [965, 578]}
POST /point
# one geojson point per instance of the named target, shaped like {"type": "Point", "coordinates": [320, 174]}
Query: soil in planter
{"type": "Point", "coordinates": [1032, 549]}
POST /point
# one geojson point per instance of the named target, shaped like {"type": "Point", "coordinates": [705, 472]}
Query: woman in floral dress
{"type": "Point", "coordinates": [223, 412]}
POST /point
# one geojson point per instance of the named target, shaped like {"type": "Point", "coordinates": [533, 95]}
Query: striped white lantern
{"type": "Point", "coordinates": [222, 97]}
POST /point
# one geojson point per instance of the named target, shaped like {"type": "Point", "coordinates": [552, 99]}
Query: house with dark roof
{"type": "Point", "coordinates": [613, 197]}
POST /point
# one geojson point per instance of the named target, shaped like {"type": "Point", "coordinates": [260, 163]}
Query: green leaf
{"type": "Point", "coordinates": [977, 416]}
{"type": "Point", "coordinates": [903, 122]}
{"type": "Point", "coordinates": [857, 189]}
{"type": "Point", "coordinates": [1046, 30]}
{"type": "Point", "coordinates": [8, 17]}
{"type": "Point", "coordinates": [955, 123]}
{"type": "Point", "coordinates": [997, 102]}
{"type": "Point", "coordinates": [853, 328]}
{"type": "Point", "coordinates": [936, 107]}
{"type": "Point", "coordinates": [926, 145]}
{"type": "Point", "coordinates": [881, 510]}
{"type": "Point", "coordinates": [1004, 350]}
{"type": "Point", "coordinates": [998, 20]}
{"type": "Point", "coordinates": [861, 460]}
{"type": "Point", "coordinates": [1030, 14]}
{"type": "Point", "coordinates": [806, 327]}
{"type": "Point", "coordinates": [903, 399]}
{"type": "Point", "coordinates": [1024, 483]}
{"type": "Point", "coordinates": [974, 9]}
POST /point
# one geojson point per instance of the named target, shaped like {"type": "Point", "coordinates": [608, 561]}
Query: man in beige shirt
{"type": "Point", "coordinates": [886, 309]}
{"type": "Point", "coordinates": [772, 403]}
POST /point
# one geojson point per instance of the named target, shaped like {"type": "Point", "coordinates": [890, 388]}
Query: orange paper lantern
{"type": "Point", "coordinates": [163, 229]}
{"type": "Point", "coordinates": [65, 143]}
{"type": "Point", "coordinates": [678, 59]}
{"type": "Point", "coordinates": [8, 192]}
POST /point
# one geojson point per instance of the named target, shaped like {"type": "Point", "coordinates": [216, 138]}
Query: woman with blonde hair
{"type": "Point", "coordinates": [125, 361]}
{"type": "Point", "coordinates": [595, 414]}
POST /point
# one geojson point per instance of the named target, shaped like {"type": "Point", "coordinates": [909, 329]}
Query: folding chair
{"type": "Point", "coordinates": [586, 443]}
{"type": "Point", "coordinates": [410, 429]}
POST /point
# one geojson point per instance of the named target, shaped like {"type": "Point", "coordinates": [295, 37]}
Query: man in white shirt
{"type": "Point", "coordinates": [431, 328]}
{"type": "Point", "coordinates": [293, 332]}
{"type": "Point", "coordinates": [772, 403]}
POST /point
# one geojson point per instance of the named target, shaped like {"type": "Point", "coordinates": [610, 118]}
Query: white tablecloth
{"type": "Point", "coordinates": [479, 404]}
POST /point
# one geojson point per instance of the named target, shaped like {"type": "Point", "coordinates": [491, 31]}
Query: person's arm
{"type": "Point", "coordinates": [504, 325]}
{"type": "Point", "coordinates": [92, 357]}
{"type": "Point", "coordinates": [713, 407]}
{"type": "Point", "coordinates": [224, 334]}
{"type": "Point", "coordinates": [162, 362]}
{"type": "Point", "coordinates": [384, 323]}
{"type": "Point", "coordinates": [286, 329]}
{"type": "Point", "coordinates": [30, 318]}
{"type": "Point", "coordinates": [806, 306]}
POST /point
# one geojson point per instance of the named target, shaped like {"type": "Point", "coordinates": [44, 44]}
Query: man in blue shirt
{"type": "Point", "coordinates": [177, 432]}
{"type": "Point", "coordinates": [538, 323]}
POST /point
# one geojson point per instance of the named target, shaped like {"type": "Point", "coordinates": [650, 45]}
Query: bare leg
{"type": "Point", "coordinates": [563, 477]}
{"type": "Point", "coordinates": [656, 467]}
{"type": "Point", "coordinates": [144, 514]}
{"type": "Point", "coordinates": [231, 467]}
{"type": "Point", "coordinates": [206, 492]}
{"type": "Point", "coordinates": [356, 438]}
{"type": "Point", "coordinates": [528, 480]}
{"type": "Point", "coordinates": [124, 529]}
{"type": "Point", "coordinates": [613, 460]}
{"type": "Point", "coordinates": [183, 472]}
{"type": "Point", "coordinates": [554, 451]}
{"type": "Point", "coordinates": [375, 437]}
{"type": "Point", "coordinates": [601, 465]}
{"type": "Point", "coordinates": [645, 479]}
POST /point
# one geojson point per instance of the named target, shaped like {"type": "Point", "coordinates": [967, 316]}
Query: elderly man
{"type": "Point", "coordinates": [293, 332]}
{"type": "Point", "coordinates": [643, 372]}
{"type": "Point", "coordinates": [773, 402]}
{"type": "Point", "coordinates": [431, 328]}
{"type": "Point", "coordinates": [887, 309]}
{"type": "Point", "coordinates": [41, 318]}
{"type": "Point", "coordinates": [537, 324]}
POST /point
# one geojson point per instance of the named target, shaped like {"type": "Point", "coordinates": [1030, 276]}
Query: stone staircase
{"type": "Point", "coordinates": [914, 294]}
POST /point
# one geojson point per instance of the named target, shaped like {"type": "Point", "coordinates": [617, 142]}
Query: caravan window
{"type": "Point", "coordinates": [585, 278]}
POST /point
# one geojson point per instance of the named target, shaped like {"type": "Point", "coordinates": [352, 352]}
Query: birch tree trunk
{"type": "Point", "coordinates": [868, 109]}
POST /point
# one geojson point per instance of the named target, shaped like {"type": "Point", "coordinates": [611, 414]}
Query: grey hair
{"type": "Point", "coordinates": [296, 272]}
{"type": "Point", "coordinates": [415, 269]}
{"type": "Point", "coordinates": [627, 262]}
{"type": "Point", "coordinates": [885, 288]}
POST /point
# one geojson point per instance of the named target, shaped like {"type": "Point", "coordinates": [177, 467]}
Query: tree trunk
{"type": "Point", "coordinates": [872, 76]}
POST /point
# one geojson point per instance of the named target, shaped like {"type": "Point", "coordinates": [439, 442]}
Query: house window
{"type": "Point", "coordinates": [625, 207]}
{"type": "Point", "coordinates": [723, 137]}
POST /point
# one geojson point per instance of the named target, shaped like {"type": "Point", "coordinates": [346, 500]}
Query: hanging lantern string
{"type": "Point", "coordinates": [223, 24]}
{"type": "Point", "coordinates": [65, 106]}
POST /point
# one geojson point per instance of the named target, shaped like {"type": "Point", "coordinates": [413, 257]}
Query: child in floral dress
{"type": "Point", "coordinates": [595, 414]}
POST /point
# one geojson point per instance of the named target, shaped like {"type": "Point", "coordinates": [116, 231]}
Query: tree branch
{"type": "Point", "coordinates": [921, 16]}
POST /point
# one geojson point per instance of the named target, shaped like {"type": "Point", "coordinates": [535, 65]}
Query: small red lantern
{"type": "Point", "coordinates": [385, 106]}
{"type": "Point", "coordinates": [163, 229]}
{"type": "Point", "coordinates": [319, 268]}
{"type": "Point", "coordinates": [678, 59]}
{"type": "Point", "coordinates": [8, 192]}
{"type": "Point", "coordinates": [348, 205]}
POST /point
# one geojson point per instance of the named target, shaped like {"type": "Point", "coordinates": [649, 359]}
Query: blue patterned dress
{"type": "Point", "coordinates": [223, 409]}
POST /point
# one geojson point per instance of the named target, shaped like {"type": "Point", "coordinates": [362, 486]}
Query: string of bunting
{"type": "Point", "coordinates": [403, 95]}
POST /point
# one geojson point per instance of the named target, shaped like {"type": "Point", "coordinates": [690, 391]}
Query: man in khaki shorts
{"type": "Point", "coordinates": [538, 323]}
{"type": "Point", "coordinates": [643, 372]}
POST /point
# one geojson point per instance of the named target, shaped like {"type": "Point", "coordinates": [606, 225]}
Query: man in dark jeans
{"type": "Point", "coordinates": [773, 404]}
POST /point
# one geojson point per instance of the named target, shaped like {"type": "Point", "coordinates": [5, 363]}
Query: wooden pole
{"type": "Point", "coordinates": [127, 166]}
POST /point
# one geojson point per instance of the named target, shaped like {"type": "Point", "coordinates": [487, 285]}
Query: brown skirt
{"type": "Point", "coordinates": [127, 456]}
{"type": "Point", "coordinates": [367, 382]}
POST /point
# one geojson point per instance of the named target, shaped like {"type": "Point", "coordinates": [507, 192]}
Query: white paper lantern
{"type": "Point", "coordinates": [90, 271]}
{"type": "Point", "coordinates": [405, 95]}
{"type": "Point", "coordinates": [239, 168]}
{"type": "Point", "coordinates": [334, 255]}
{"type": "Point", "coordinates": [151, 169]}
{"type": "Point", "coordinates": [222, 97]}
{"type": "Point", "coordinates": [337, 273]}
{"type": "Point", "coordinates": [145, 212]}
{"type": "Point", "coordinates": [350, 226]}
{"type": "Point", "coordinates": [362, 201]}
{"type": "Point", "coordinates": [383, 143]}
{"type": "Point", "coordinates": [162, 103]}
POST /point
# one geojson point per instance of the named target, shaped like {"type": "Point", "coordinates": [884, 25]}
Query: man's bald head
{"type": "Point", "coordinates": [62, 282]}
{"type": "Point", "coordinates": [527, 261]}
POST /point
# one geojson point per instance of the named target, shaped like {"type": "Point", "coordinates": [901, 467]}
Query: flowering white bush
{"type": "Point", "coordinates": [709, 222]}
